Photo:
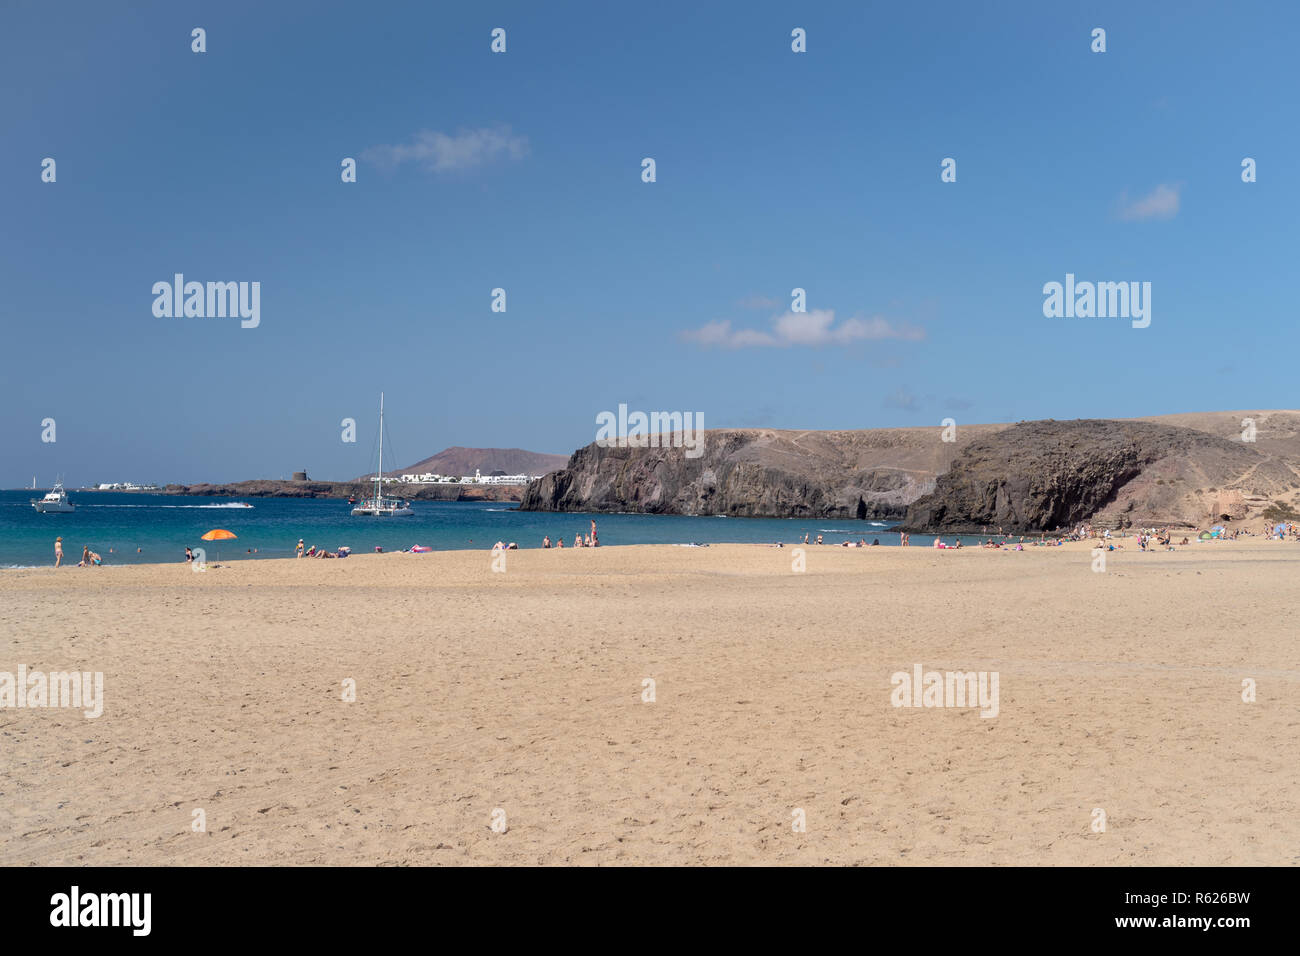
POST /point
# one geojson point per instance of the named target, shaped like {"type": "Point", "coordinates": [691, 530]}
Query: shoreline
{"type": "Point", "coordinates": [812, 548]}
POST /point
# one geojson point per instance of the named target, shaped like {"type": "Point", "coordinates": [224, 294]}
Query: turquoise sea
{"type": "Point", "coordinates": [161, 526]}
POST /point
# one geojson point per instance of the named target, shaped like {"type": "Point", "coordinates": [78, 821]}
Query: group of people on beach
{"type": "Point", "coordinates": [860, 543]}
{"type": "Point", "coordinates": [314, 552]}
{"type": "Point", "coordinates": [580, 540]}
{"type": "Point", "coordinates": [89, 559]}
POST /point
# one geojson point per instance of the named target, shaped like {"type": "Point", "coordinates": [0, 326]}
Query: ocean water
{"type": "Point", "coordinates": [161, 526]}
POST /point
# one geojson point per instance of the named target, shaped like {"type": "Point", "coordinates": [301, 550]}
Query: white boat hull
{"type": "Point", "coordinates": [382, 512]}
{"type": "Point", "coordinates": [54, 507]}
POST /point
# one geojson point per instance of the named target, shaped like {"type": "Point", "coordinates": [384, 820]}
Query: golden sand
{"type": "Point", "coordinates": [523, 691]}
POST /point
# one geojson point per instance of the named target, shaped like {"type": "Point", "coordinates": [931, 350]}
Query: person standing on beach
{"type": "Point", "coordinates": [300, 547]}
{"type": "Point", "coordinates": [58, 551]}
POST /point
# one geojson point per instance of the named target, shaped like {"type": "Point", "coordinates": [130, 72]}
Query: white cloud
{"type": "Point", "coordinates": [450, 152]}
{"type": "Point", "coordinates": [815, 328]}
{"type": "Point", "coordinates": [1161, 203]}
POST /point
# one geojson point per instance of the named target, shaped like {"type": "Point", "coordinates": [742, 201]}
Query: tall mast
{"type": "Point", "coordinates": [379, 487]}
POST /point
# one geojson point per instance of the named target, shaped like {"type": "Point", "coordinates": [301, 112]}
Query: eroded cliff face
{"type": "Point", "coordinates": [1041, 476]}
{"type": "Point", "coordinates": [742, 473]}
{"type": "Point", "coordinates": [1032, 476]}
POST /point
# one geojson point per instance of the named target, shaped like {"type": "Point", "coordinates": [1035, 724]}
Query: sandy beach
{"type": "Point", "coordinates": [523, 691]}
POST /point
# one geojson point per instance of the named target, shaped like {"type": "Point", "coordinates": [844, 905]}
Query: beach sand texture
{"type": "Point", "coordinates": [523, 691]}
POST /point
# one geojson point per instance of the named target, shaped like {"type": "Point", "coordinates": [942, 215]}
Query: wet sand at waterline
{"type": "Point", "coordinates": [522, 691]}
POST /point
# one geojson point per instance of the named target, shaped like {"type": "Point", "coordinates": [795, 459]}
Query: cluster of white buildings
{"type": "Point", "coordinates": [428, 478]}
{"type": "Point", "coordinates": [124, 486]}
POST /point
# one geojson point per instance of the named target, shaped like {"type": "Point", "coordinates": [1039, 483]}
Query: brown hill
{"type": "Point", "coordinates": [459, 461]}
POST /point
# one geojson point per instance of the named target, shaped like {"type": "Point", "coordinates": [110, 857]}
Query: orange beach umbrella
{"type": "Point", "coordinates": [220, 534]}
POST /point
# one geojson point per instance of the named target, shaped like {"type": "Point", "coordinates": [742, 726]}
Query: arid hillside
{"type": "Point", "coordinates": [1186, 469]}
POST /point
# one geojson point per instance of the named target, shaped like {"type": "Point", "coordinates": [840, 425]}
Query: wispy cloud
{"type": "Point", "coordinates": [440, 152]}
{"type": "Point", "coordinates": [902, 398]}
{"type": "Point", "coordinates": [814, 328]}
{"type": "Point", "coordinates": [1161, 203]}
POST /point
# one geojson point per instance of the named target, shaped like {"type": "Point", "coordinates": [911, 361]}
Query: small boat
{"type": "Point", "coordinates": [379, 506]}
{"type": "Point", "coordinates": [55, 501]}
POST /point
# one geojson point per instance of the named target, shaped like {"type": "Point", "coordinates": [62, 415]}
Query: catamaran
{"type": "Point", "coordinates": [55, 501]}
{"type": "Point", "coordinates": [379, 506]}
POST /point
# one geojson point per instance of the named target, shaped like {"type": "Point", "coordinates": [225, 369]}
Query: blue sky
{"type": "Point", "coordinates": [522, 170]}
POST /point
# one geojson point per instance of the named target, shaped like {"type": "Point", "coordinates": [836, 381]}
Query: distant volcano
{"type": "Point", "coordinates": [459, 461]}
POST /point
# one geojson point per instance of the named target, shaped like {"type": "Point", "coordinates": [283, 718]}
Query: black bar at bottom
{"type": "Point", "coordinates": [946, 906]}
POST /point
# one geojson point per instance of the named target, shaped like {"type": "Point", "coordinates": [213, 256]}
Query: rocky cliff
{"type": "Point", "coordinates": [1187, 470]}
{"type": "Point", "coordinates": [1049, 475]}
{"type": "Point", "coordinates": [757, 473]}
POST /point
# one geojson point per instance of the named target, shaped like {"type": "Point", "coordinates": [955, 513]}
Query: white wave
{"type": "Point", "coordinates": [233, 504]}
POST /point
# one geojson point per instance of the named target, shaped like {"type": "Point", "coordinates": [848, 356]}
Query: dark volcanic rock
{"type": "Point", "coordinates": [1040, 476]}
{"type": "Point", "coordinates": [742, 473]}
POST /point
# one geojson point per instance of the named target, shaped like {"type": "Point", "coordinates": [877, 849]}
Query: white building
{"type": "Point", "coordinates": [477, 478]}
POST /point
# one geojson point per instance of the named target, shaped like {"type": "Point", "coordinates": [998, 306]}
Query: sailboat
{"type": "Point", "coordinates": [55, 501]}
{"type": "Point", "coordinates": [379, 506]}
